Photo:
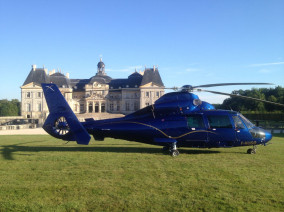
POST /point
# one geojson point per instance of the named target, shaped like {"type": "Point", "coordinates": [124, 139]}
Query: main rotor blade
{"type": "Point", "coordinates": [244, 97]}
{"type": "Point", "coordinates": [226, 84]}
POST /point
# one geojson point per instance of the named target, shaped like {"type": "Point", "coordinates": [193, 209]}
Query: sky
{"type": "Point", "coordinates": [192, 42]}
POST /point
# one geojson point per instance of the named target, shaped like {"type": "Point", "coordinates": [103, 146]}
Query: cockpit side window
{"type": "Point", "coordinates": [195, 121]}
{"type": "Point", "coordinates": [247, 122]}
{"type": "Point", "coordinates": [219, 121]}
{"type": "Point", "coordinates": [238, 123]}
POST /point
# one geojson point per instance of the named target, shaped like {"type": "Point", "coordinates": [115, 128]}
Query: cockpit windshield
{"type": "Point", "coordinates": [247, 122]}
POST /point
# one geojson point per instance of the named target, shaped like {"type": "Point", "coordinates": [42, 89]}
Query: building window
{"type": "Point", "coordinates": [39, 107]}
{"type": "Point", "coordinates": [147, 94]}
{"type": "Point", "coordinates": [127, 106]}
{"type": "Point", "coordinates": [90, 107]}
{"type": "Point", "coordinates": [157, 93]}
{"type": "Point", "coordinates": [28, 107]}
{"type": "Point", "coordinates": [136, 106]}
{"type": "Point", "coordinates": [103, 108]}
{"type": "Point", "coordinates": [118, 107]}
{"type": "Point", "coordinates": [39, 94]}
{"type": "Point", "coordinates": [28, 94]}
{"type": "Point", "coordinates": [96, 108]}
{"type": "Point", "coordinates": [111, 106]}
{"type": "Point", "coordinates": [147, 104]}
{"type": "Point", "coordinates": [82, 108]}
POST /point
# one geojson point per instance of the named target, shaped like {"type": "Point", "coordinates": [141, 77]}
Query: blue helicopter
{"type": "Point", "coordinates": [177, 119]}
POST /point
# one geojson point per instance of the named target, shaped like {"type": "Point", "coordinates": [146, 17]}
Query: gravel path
{"type": "Point", "coordinates": [36, 131]}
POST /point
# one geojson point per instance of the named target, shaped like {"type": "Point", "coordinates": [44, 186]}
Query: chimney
{"type": "Point", "coordinates": [154, 68]}
{"type": "Point", "coordinates": [45, 70]}
{"type": "Point", "coordinates": [34, 67]}
{"type": "Point", "coordinates": [52, 72]}
{"type": "Point", "coordinates": [67, 75]}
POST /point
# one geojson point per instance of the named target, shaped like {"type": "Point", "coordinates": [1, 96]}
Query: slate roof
{"type": "Point", "coordinates": [60, 80]}
{"type": "Point", "coordinates": [151, 75]}
{"type": "Point", "coordinates": [133, 81]}
{"type": "Point", "coordinates": [38, 76]}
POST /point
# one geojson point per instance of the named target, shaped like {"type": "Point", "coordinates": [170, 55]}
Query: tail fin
{"type": "Point", "coordinates": [62, 122]}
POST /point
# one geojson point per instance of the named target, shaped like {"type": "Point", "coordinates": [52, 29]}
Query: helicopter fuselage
{"type": "Point", "coordinates": [177, 119]}
{"type": "Point", "coordinates": [211, 128]}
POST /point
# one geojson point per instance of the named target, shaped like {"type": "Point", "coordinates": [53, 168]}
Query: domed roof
{"type": "Point", "coordinates": [103, 79]}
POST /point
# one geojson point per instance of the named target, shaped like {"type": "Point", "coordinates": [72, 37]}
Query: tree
{"type": "Point", "coordinates": [10, 108]}
{"type": "Point", "coordinates": [270, 94]}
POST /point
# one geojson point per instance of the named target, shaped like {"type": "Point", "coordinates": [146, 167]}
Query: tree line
{"type": "Point", "coordinates": [10, 107]}
{"type": "Point", "coordinates": [270, 94]}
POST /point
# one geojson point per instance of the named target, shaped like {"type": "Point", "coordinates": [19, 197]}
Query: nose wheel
{"type": "Point", "coordinates": [252, 151]}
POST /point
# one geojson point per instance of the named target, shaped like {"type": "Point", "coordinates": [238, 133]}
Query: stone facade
{"type": "Point", "coordinates": [99, 94]}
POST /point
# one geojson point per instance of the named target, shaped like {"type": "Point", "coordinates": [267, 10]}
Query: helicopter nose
{"type": "Point", "coordinates": [268, 136]}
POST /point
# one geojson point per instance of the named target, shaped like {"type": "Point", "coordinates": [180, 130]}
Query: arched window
{"type": "Point", "coordinates": [96, 107]}
{"type": "Point", "coordinates": [90, 107]}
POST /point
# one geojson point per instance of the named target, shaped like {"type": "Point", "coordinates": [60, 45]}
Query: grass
{"type": "Point", "coordinates": [40, 173]}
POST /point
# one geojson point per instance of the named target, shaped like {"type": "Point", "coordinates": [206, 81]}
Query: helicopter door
{"type": "Point", "coordinates": [198, 133]}
{"type": "Point", "coordinates": [221, 131]}
{"type": "Point", "coordinates": [242, 133]}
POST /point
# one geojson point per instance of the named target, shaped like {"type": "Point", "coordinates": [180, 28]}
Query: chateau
{"type": "Point", "coordinates": [98, 94]}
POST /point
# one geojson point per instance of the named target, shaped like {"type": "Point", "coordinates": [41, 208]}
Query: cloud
{"type": "Point", "coordinates": [265, 71]}
{"type": "Point", "coordinates": [266, 64]}
{"type": "Point", "coordinates": [191, 70]}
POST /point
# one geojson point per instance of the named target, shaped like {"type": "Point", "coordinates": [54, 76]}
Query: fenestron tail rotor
{"type": "Point", "coordinates": [61, 126]}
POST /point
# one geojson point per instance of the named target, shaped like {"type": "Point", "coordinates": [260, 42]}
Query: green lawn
{"type": "Point", "coordinates": [40, 173]}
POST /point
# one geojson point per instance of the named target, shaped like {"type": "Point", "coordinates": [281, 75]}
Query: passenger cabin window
{"type": "Point", "coordinates": [219, 121]}
{"type": "Point", "coordinates": [238, 123]}
{"type": "Point", "coordinates": [195, 121]}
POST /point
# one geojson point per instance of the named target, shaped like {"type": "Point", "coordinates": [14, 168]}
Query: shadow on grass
{"type": "Point", "coordinates": [8, 151]}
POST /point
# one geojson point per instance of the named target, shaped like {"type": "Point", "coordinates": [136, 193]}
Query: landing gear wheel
{"type": "Point", "coordinates": [251, 151]}
{"type": "Point", "coordinates": [174, 153]}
